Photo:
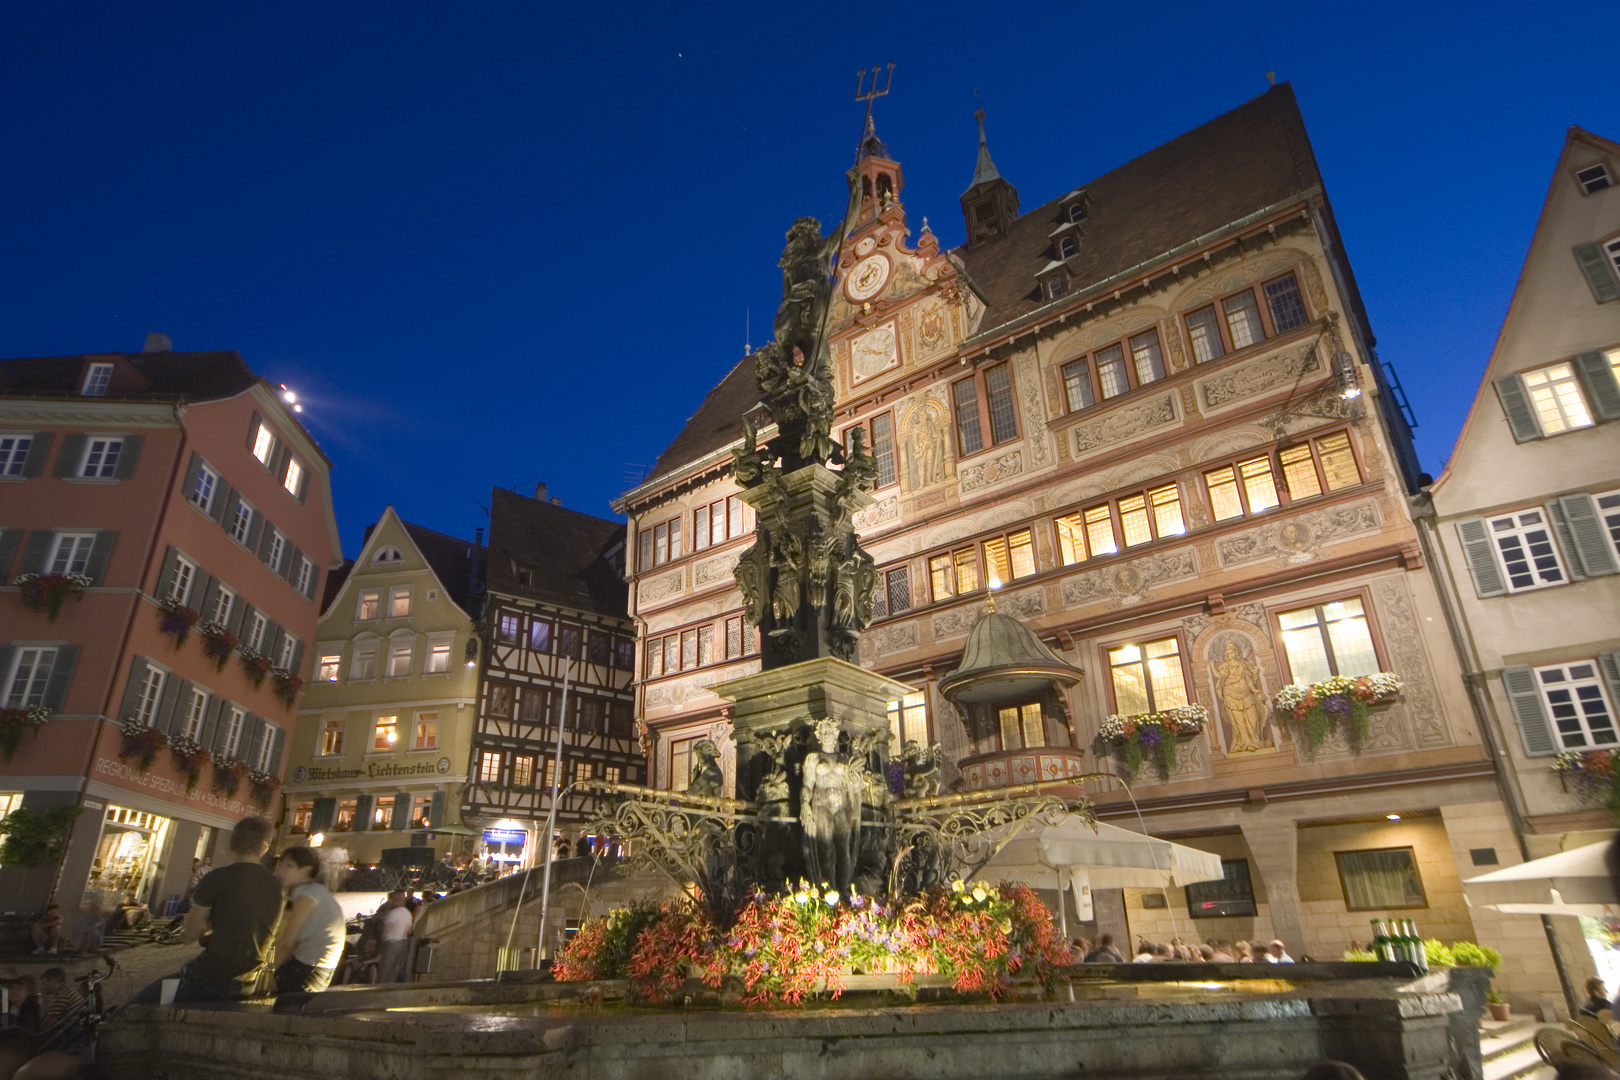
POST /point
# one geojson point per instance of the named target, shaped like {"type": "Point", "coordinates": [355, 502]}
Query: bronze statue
{"type": "Point", "coordinates": [922, 769]}
{"type": "Point", "coordinates": [706, 778]}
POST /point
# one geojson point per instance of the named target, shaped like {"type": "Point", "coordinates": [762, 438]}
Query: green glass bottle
{"type": "Point", "coordinates": [1420, 955]}
{"type": "Point", "coordinates": [1380, 943]}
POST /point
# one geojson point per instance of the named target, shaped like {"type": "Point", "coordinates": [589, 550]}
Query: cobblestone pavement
{"type": "Point", "coordinates": [137, 966]}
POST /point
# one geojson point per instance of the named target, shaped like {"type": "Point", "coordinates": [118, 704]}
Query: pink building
{"type": "Point", "coordinates": [166, 526]}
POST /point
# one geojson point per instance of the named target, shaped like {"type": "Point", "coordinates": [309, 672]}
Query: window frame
{"type": "Point", "coordinates": [100, 386]}
{"type": "Point", "coordinates": [1117, 522]}
{"type": "Point", "coordinates": [1601, 167]}
{"type": "Point", "coordinates": [332, 662]}
{"type": "Point", "coordinates": [1275, 611]}
{"type": "Point", "coordinates": [104, 471]}
{"type": "Point", "coordinates": [266, 746]}
{"type": "Point", "coordinates": [240, 526]}
{"type": "Point", "coordinates": [422, 738]}
{"type": "Point", "coordinates": [1598, 680]}
{"type": "Point", "coordinates": [395, 594]}
{"type": "Point", "coordinates": [380, 725]}
{"type": "Point", "coordinates": [208, 482]}
{"type": "Point", "coordinates": [267, 434]}
{"type": "Point", "coordinates": [987, 440]}
{"type": "Point", "coordinates": [1417, 875]}
{"type": "Point", "coordinates": [1127, 361]}
{"type": "Point", "coordinates": [1573, 379]}
{"type": "Point", "coordinates": [39, 676]}
{"type": "Point", "coordinates": [1493, 534]}
{"type": "Point", "coordinates": [866, 425]}
{"type": "Point", "coordinates": [1142, 641]}
{"type": "Point", "coordinates": [14, 458]}
{"type": "Point", "coordinates": [84, 544]}
{"type": "Point", "coordinates": [1268, 325]}
{"type": "Point", "coordinates": [332, 734]}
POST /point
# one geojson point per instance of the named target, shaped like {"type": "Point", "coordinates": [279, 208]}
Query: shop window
{"type": "Point", "coordinates": [1233, 895]}
{"type": "Point", "coordinates": [1022, 726]}
{"type": "Point", "coordinates": [908, 721]}
{"type": "Point", "coordinates": [1147, 677]}
{"type": "Point", "coordinates": [1327, 640]}
{"type": "Point", "coordinates": [1380, 879]}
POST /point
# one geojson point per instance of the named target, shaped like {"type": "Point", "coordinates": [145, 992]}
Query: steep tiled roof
{"type": "Point", "coordinates": [334, 584]}
{"type": "Point", "coordinates": [457, 563]}
{"type": "Point", "coordinates": [196, 376]}
{"type": "Point", "coordinates": [1253, 157]}
{"type": "Point", "coordinates": [563, 549]}
{"type": "Point", "coordinates": [717, 422]}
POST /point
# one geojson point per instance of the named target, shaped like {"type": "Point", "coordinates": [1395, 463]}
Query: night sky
{"type": "Point", "coordinates": [490, 244]}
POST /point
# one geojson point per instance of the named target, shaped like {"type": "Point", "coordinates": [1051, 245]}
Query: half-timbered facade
{"type": "Point", "coordinates": [1150, 410]}
{"type": "Point", "coordinates": [554, 611]}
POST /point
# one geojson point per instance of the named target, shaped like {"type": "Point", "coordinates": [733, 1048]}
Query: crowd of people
{"type": "Point", "coordinates": [1102, 951]}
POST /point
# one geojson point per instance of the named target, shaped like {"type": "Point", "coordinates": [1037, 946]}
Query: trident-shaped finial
{"type": "Point", "coordinates": [869, 94]}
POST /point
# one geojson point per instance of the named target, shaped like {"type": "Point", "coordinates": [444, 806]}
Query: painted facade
{"type": "Point", "coordinates": [1149, 407]}
{"type": "Point", "coordinates": [385, 728]}
{"type": "Point", "coordinates": [161, 477]}
{"type": "Point", "coordinates": [1525, 522]}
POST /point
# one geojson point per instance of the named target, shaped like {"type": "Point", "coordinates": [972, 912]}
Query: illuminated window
{"type": "Point", "coordinates": [955, 573]}
{"type": "Point", "coordinates": [507, 629]}
{"type": "Point", "coordinates": [364, 663]}
{"type": "Point", "coordinates": [1555, 394]}
{"type": "Point", "coordinates": [438, 659]}
{"type": "Point", "coordinates": [1380, 879]}
{"type": "Point", "coordinates": [1146, 359]}
{"type": "Point", "coordinates": [1147, 677]}
{"type": "Point", "coordinates": [399, 658]}
{"type": "Point", "coordinates": [522, 770]}
{"type": "Point", "coordinates": [343, 819]}
{"type": "Point", "coordinates": [908, 721]}
{"type": "Point", "coordinates": [382, 813]}
{"type": "Point", "coordinates": [1022, 727]}
{"type": "Point", "coordinates": [489, 767]}
{"type": "Point", "coordinates": [427, 731]}
{"type": "Point", "coordinates": [584, 770]}
{"type": "Point", "coordinates": [370, 606]}
{"type": "Point", "coordinates": [302, 813]}
{"type": "Point", "coordinates": [293, 481]}
{"type": "Point", "coordinates": [332, 738]}
{"type": "Point", "coordinates": [1242, 320]}
{"type": "Point", "coordinates": [328, 671]}
{"type": "Point", "coordinates": [385, 734]}
{"type": "Point", "coordinates": [1244, 488]}
{"type": "Point", "coordinates": [1012, 556]}
{"type": "Point", "coordinates": [1077, 390]}
{"type": "Point", "coordinates": [421, 811]}
{"type": "Point", "coordinates": [1204, 332]}
{"type": "Point", "coordinates": [264, 443]}
{"type": "Point", "coordinates": [1327, 640]}
{"type": "Point", "coordinates": [500, 700]}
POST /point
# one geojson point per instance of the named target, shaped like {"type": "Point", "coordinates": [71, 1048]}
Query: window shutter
{"type": "Point", "coordinates": [67, 462]}
{"type": "Point", "coordinates": [362, 812]}
{"type": "Point", "coordinates": [210, 594]}
{"type": "Point", "coordinates": [1599, 277]}
{"type": "Point", "coordinates": [210, 724]}
{"type": "Point", "coordinates": [303, 483]}
{"type": "Point", "coordinates": [222, 499]}
{"type": "Point", "coordinates": [272, 637]}
{"type": "Point", "coordinates": [171, 567]}
{"type": "Point", "coordinates": [238, 618]}
{"type": "Point", "coordinates": [1597, 378]}
{"type": "Point", "coordinates": [248, 747]}
{"type": "Point", "coordinates": [1610, 665]}
{"type": "Point", "coordinates": [132, 689]}
{"type": "Point", "coordinates": [297, 665]}
{"type": "Point", "coordinates": [436, 814]}
{"type": "Point", "coordinates": [266, 535]}
{"type": "Point", "coordinates": [61, 677]}
{"type": "Point", "coordinates": [34, 463]}
{"type": "Point", "coordinates": [174, 692]}
{"type": "Point", "coordinates": [95, 568]}
{"type": "Point", "coordinates": [1482, 565]}
{"type": "Point", "coordinates": [255, 531]}
{"type": "Point", "coordinates": [37, 551]}
{"type": "Point", "coordinates": [193, 471]}
{"type": "Point", "coordinates": [402, 812]}
{"type": "Point", "coordinates": [275, 750]}
{"type": "Point", "coordinates": [222, 718]}
{"type": "Point", "coordinates": [1528, 710]}
{"type": "Point", "coordinates": [230, 510]}
{"type": "Point", "coordinates": [9, 539]}
{"type": "Point", "coordinates": [128, 456]}
{"type": "Point", "coordinates": [1566, 543]}
{"type": "Point", "coordinates": [253, 429]}
{"type": "Point", "coordinates": [285, 569]}
{"type": "Point", "coordinates": [278, 462]}
{"type": "Point", "coordinates": [293, 561]}
{"type": "Point", "coordinates": [1588, 538]}
{"type": "Point", "coordinates": [320, 818]}
{"type": "Point", "coordinates": [1516, 404]}
{"type": "Point", "coordinates": [5, 657]}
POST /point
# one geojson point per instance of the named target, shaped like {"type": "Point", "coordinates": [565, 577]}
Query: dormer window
{"type": "Point", "coordinates": [97, 379]}
{"type": "Point", "coordinates": [1077, 211]}
{"type": "Point", "coordinates": [1057, 287]}
{"type": "Point", "coordinates": [1593, 178]}
{"type": "Point", "coordinates": [1066, 247]}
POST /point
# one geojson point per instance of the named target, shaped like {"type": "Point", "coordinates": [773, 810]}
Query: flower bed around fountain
{"type": "Point", "coordinates": [783, 950]}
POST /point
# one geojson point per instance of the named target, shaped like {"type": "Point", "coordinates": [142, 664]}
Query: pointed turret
{"type": "Point", "coordinates": [875, 181]}
{"type": "Point", "coordinates": [990, 204]}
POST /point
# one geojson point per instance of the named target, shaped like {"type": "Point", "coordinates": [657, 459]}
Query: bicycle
{"type": "Point", "coordinates": [76, 1032]}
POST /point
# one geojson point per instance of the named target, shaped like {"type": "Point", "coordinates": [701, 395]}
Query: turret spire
{"type": "Point", "coordinates": [985, 170]}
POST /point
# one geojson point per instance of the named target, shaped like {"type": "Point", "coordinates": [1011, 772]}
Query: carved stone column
{"type": "Point", "coordinates": [1274, 846]}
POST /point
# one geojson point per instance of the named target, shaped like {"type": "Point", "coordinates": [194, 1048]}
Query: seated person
{"type": "Point", "coordinates": [134, 912]}
{"type": "Point", "coordinates": [47, 931]}
{"type": "Point", "coordinates": [59, 995]}
{"type": "Point", "coordinates": [24, 1012]}
{"type": "Point", "coordinates": [1597, 997]}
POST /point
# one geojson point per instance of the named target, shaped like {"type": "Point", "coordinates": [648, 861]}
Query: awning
{"type": "Point", "coordinates": [1573, 882]}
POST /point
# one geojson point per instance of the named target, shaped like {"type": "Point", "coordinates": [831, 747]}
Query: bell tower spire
{"type": "Point", "coordinates": [990, 204]}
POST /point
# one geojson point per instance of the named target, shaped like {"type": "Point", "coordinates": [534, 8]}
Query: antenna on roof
{"type": "Point", "coordinates": [748, 350]}
{"type": "Point", "coordinates": [1271, 76]}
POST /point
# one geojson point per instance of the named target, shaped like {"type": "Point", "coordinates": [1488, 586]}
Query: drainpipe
{"type": "Point", "coordinates": [1484, 712]}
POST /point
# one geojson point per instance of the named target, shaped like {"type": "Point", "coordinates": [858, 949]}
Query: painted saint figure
{"type": "Point", "coordinates": [1237, 682]}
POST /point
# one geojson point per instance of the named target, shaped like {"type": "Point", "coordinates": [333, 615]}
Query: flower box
{"type": "Point", "coordinates": [255, 665]}
{"type": "Point", "coordinates": [263, 787]}
{"type": "Point", "coordinates": [140, 743]}
{"type": "Point", "coordinates": [189, 756]}
{"type": "Point", "coordinates": [228, 776]}
{"type": "Point", "coordinates": [176, 620]}
{"type": "Point", "coordinates": [12, 724]}
{"type": "Point", "coordinates": [1592, 773]}
{"type": "Point", "coordinates": [45, 592]}
{"type": "Point", "coordinates": [218, 643]}
{"type": "Point", "coordinates": [285, 685]}
{"type": "Point", "coordinates": [1321, 708]}
{"type": "Point", "coordinates": [1136, 735]}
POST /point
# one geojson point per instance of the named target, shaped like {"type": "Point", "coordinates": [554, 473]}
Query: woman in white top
{"type": "Point", "coordinates": [310, 941]}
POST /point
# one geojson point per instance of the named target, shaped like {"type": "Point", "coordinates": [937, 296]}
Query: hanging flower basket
{"type": "Point", "coordinates": [12, 724]}
{"type": "Point", "coordinates": [218, 643]}
{"type": "Point", "coordinates": [228, 776]}
{"type": "Point", "coordinates": [45, 592]}
{"type": "Point", "coordinates": [141, 743]}
{"type": "Point", "coordinates": [1324, 707]}
{"type": "Point", "coordinates": [285, 685]}
{"type": "Point", "coordinates": [1592, 774]}
{"type": "Point", "coordinates": [1156, 733]}
{"type": "Point", "coordinates": [263, 787]}
{"type": "Point", "coordinates": [255, 665]}
{"type": "Point", "coordinates": [176, 620]}
{"type": "Point", "coordinates": [189, 756]}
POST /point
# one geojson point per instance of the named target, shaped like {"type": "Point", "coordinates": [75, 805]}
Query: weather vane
{"type": "Point", "coordinates": [871, 93]}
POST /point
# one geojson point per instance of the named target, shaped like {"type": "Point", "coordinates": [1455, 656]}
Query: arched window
{"type": "Point", "coordinates": [387, 554]}
{"type": "Point", "coordinates": [1066, 248]}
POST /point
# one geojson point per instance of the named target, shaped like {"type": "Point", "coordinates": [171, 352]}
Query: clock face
{"type": "Point", "coordinates": [867, 243]}
{"type": "Point", "coordinates": [874, 351]}
{"type": "Point", "coordinates": [868, 278]}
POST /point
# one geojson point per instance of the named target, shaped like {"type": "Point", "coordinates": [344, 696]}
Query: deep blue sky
{"type": "Point", "coordinates": [496, 243]}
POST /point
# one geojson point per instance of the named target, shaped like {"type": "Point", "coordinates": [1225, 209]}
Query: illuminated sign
{"type": "Point", "coordinates": [503, 836]}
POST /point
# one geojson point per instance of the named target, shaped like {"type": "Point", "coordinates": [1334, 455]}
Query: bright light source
{"type": "Point", "coordinates": [317, 839]}
{"type": "Point", "coordinates": [288, 396]}
{"type": "Point", "coordinates": [391, 737]}
{"type": "Point", "coordinates": [995, 583]}
{"type": "Point", "coordinates": [298, 408]}
{"type": "Point", "coordinates": [1393, 817]}
{"type": "Point", "coordinates": [472, 663]}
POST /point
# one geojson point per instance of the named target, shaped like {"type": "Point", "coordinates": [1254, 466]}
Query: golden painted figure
{"type": "Point", "coordinates": [1237, 682]}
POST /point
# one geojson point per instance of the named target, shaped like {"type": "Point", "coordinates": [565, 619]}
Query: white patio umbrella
{"type": "Point", "coordinates": [1076, 855]}
{"type": "Point", "coordinates": [1572, 882]}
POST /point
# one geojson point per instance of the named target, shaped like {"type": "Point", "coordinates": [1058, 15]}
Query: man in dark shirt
{"type": "Point", "coordinates": [1104, 953]}
{"type": "Point", "coordinates": [240, 905]}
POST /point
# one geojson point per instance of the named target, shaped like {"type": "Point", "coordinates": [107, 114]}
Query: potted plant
{"type": "Point", "coordinates": [1321, 708]}
{"type": "Point", "coordinates": [176, 620]}
{"type": "Point", "coordinates": [141, 743]}
{"type": "Point", "coordinates": [45, 592]}
{"type": "Point", "coordinates": [255, 665]}
{"type": "Point", "coordinates": [1136, 735]}
{"type": "Point", "coordinates": [189, 756]}
{"type": "Point", "coordinates": [12, 724]}
{"type": "Point", "coordinates": [1593, 775]}
{"type": "Point", "coordinates": [285, 685]}
{"type": "Point", "coordinates": [218, 643]}
{"type": "Point", "coordinates": [1498, 1005]}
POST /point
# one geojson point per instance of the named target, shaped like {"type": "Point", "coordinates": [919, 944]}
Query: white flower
{"type": "Point", "coordinates": [831, 897]}
{"type": "Point", "coordinates": [801, 897]}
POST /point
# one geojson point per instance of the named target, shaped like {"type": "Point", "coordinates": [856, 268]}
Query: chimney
{"type": "Point", "coordinates": [556, 500]}
{"type": "Point", "coordinates": [539, 491]}
{"type": "Point", "coordinates": [158, 343]}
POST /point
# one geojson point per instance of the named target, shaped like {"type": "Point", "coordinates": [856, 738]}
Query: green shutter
{"type": "Point", "coordinates": [193, 471]}
{"type": "Point", "coordinates": [436, 814]}
{"type": "Point", "coordinates": [253, 429]}
{"type": "Point", "coordinates": [210, 724]}
{"type": "Point", "coordinates": [222, 499]}
{"type": "Point", "coordinates": [34, 463]}
{"type": "Point", "coordinates": [362, 812]}
{"type": "Point", "coordinates": [210, 594]}
{"type": "Point", "coordinates": [1588, 538]}
{"type": "Point", "coordinates": [67, 462]}
{"type": "Point", "coordinates": [1529, 710]}
{"type": "Point", "coordinates": [238, 615]}
{"type": "Point", "coordinates": [128, 456]}
{"type": "Point", "coordinates": [320, 818]}
{"type": "Point", "coordinates": [1481, 556]}
{"type": "Point", "coordinates": [61, 676]}
{"type": "Point", "coordinates": [275, 750]}
{"type": "Point", "coordinates": [171, 567]}
{"type": "Point", "coordinates": [174, 691]}
{"type": "Point", "coordinates": [5, 657]}
{"type": "Point", "coordinates": [132, 689]}
{"type": "Point", "coordinates": [1516, 404]}
{"type": "Point", "coordinates": [247, 748]}
{"type": "Point", "coordinates": [1566, 543]}
{"type": "Point", "coordinates": [1609, 663]}
{"type": "Point", "coordinates": [266, 535]}
{"type": "Point", "coordinates": [95, 568]}
{"type": "Point", "coordinates": [1597, 376]}
{"type": "Point", "coordinates": [37, 551]}
{"type": "Point", "coordinates": [222, 718]}
{"type": "Point", "coordinates": [9, 539]}
{"type": "Point", "coordinates": [1599, 274]}
{"type": "Point", "coordinates": [297, 664]}
{"type": "Point", "coordinates": [255, 531]}
{"type": "Point", "coordinates": [402, 812]}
